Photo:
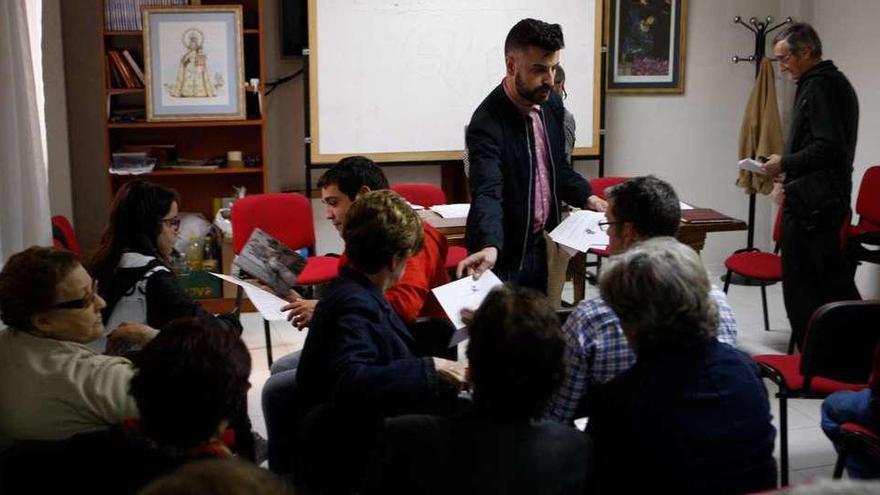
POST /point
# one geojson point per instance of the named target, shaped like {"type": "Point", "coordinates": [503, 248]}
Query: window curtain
{"type": "Point", "coordinates": [24, 186]}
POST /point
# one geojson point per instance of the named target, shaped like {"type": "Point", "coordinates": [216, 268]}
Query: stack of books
{"type": "Point", "coordinates": [125, 15]}
{"type": "Point", "coordinates": [125, 72]}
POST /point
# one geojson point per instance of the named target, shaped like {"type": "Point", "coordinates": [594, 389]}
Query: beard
{"type": "Point", "coordinates": [536, 95]}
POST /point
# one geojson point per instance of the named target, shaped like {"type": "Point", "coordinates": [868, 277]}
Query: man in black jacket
{"type": "Point", "coordinates": [818, 178]}
{"type": "Point", "coordinates": [518, 170]}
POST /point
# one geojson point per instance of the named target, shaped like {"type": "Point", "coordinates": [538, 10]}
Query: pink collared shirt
{"type": "Point", "coordinates": [541, 186]}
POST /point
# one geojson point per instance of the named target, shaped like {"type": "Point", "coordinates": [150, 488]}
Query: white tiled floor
{"type": "Point", "coordinates": [811, 454]}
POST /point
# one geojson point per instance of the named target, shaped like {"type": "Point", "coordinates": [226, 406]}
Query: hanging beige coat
{"type": "Point", "coordinates": [761, 132]}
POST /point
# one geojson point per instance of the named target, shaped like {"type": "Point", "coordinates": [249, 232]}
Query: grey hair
{"type": "Point", "coordinates": [660, 291]}
{"type": "Point", "coordinates": [800, 35]}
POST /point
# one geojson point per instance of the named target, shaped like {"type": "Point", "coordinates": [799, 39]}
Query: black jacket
{"type": "Point", "coordinates": [475, 454]}
{"type": "Point", "coordinates": [824, 129]}
{"type": "Point", "coordinates": [502, 169]}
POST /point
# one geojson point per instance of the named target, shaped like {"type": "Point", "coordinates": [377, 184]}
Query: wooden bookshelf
{"type": "Point", "coordinates": [192, 139]}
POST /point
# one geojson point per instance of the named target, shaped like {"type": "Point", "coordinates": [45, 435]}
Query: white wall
{"type": "Point", "coordinates": [58, 156]}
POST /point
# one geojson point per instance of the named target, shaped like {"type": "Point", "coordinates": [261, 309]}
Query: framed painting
{"type": "Point", "coordinates": [646, 52]}
{"type": "Point", "coordinates": [194, 63]}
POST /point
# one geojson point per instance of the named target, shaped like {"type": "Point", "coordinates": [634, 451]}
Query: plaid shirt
{"type": "Point", "coordinates": [597, 351]}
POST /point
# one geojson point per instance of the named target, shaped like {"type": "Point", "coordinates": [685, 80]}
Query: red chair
{"type": "Point", "coordinates": [288, 218]}
{"type": "Point", "coordinates": [760, 266]}
{"type": "Point", "coordinates": [600, 185]}
{"type": "Point", "coordinates": [428, 195]}
{"type": "Point", "coordinates": [855, 438]}
{"type": "Point", "coordinates": [867, 231]}
{"type": "Point", "coordinates": [63, 236]}
{"type": "Point", "coordinates": [838, 354]}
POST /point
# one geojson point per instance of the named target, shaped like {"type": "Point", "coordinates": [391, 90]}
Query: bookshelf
{"type": "Point", "coordinates": [191, 139]}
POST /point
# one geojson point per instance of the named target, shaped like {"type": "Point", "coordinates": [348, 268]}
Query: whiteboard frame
{"type": "Point", "coordinates": [317, 157]}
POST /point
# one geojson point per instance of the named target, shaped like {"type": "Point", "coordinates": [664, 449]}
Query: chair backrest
{"type": "Point", "coordinates": [600, 184]}
{"type": "Point", "coordinates": [867, 204]}
{"type": "Point", "coordinates": [777, 225]}
{"type": "Point", "coordinates": [426, 195]}
{"type": "Point", "coordinates": [840, 341]}
{"type": "Point", "coordinates": [285, 216]}
{"type": "Point", "coordinates": [63, 234]}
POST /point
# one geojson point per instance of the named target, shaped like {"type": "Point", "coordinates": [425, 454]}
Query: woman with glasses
{"type": "Point", "coordinates": [133, 262]}
{"type": "Point", "coordinates": [52, 386]}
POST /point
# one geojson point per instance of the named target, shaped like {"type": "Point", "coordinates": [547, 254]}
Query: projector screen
{"type": "Point", "coordinates": [398, 80]}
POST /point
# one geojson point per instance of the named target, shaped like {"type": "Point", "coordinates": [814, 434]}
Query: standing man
{"type": "Point", "coordinates": [518, 170]}
{"type": "Point", "coordinates": [817, 164]}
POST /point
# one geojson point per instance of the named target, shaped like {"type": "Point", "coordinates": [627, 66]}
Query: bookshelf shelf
{"type": "Point", "coordinates": [190, 171]}
{"type": "Point", "coordinates": [186, 123]}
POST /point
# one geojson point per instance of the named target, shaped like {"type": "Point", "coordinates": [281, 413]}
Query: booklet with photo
{"type": "Point", "coordinates": [271, 262]}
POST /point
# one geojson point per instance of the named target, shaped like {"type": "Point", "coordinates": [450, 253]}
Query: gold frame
{"type": "Point", "coordinates": [237, 11]}
{"type": "Point", "coordinates": [640, 88]}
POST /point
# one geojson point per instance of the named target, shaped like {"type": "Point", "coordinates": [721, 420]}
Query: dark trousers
{"type": "Point", "coordinates": [814, 271]}
{"type": "Point", "coordinates": [533, 271]}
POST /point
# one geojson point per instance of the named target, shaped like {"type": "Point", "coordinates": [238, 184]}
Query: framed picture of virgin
{"type": "Point", "coordinates": [646, 50]}
{"type": "Point", "coordinates": [194, 67]}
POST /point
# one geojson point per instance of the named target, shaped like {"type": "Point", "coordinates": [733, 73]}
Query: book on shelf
{"type": "Point", "coordinates": [125, 15]}
{"type": "Point", "coordinates": [133, 65]}
{"type": "Point", "coordinates": [125, 74]}
{"type": "Point", "coordinates": [271, 262]}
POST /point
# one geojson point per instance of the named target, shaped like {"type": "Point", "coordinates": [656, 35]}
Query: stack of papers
{"type": "Point", "coordinates": [268, 304]}
{"type": "Point", "coordinates": [580, 231]}
{"type": "Point", "coordinates": [457, 210]}
{"type": "Point", "coordinates": [464, 293]}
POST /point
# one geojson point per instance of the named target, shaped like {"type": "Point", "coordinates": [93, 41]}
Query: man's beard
{"type": "Point", "coordinates": [536, 95]}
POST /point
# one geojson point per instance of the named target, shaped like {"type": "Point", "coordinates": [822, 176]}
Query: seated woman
{"type": "Point", "coordinates": [692, 415]}
{"type": "Point", "coordinates": [358, 365]}
{"type": "Point", "coordinates": [133, 267]}
{"type": "Point", "coordinates": [516, 360]}
{"type": "Point", "coordinates": [52, 385]}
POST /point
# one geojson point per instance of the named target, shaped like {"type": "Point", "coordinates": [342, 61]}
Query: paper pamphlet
{"type": "Point", "coordinates": [268, 304]}
{"type": "Point", "coordinates": [752, 166]}
{"type": "Point", "coordinates": [457, 210]}
{"type": "Point", "coordinates": [270, 261]}
{"type": "Point", "coordinates": [685, 206]}
{"type": "Point", "coordinates": [580, 231]}
{"type": "Point", "coordinates": [464, 293]}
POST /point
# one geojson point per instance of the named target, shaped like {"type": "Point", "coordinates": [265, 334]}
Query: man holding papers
{"type": "Point", "coordinates": [518, 170]}
{"type": "Point", "coordinates": [596, 349]}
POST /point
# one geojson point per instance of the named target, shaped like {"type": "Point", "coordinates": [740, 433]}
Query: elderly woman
{"type": "Point", "coordinates": [358, 364]}
{"type": "Point", "coordinates": [52, 385]}
{"type": "Point", "coordinates": [692, 415]}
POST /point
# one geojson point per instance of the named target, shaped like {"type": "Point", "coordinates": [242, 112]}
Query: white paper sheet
{"type": "Point", "coordinates": [685, 206]}
{"type": "Point", "coordinates": [268, 304]}
{"type": "Point", "coordinates": [464, 293]}
{"type": "Point", "coordinates": [456, 210]}
{"type": "Point", "coordinates": [751, 165]}
{"type": "Point", "coordinates": [580, 231]}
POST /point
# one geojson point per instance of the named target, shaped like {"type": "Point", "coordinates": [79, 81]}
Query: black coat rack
{"type": "Point", "coordinates": [760, 29]}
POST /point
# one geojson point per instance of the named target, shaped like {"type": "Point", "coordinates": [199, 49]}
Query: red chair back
{"type": "Point", "coordinates": [777, 225]}
{"type": "Point", "coordinates": [63, 235]}
{"type": "Point", "coordinates": [600, 184]}
{"type": "Point", "coordinates": [285, 216]}
{"type": "Point", "coordinates": [840, 341]}
{"type": "Point", "coordinates": [868, 202]}
{"type": "Point", "coordinates": [426, 195]}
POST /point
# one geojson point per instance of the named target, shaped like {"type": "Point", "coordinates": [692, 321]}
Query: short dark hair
{"type": "Point", "coordinates": [532, 32]}
{"type": "Point", "coordinates": [28, 283]}
{"type": "Point", "coordinates": [380, 226]}
{"type": "Point", "coordinates": [649, 204]}
{"type": "Point", "coordinates": [800, 35]}
{"type": "Point", "coordinates": [516, 353]}
{"type": "Point", "coordinates": [352, 173]}
{"type": "Point", "coordinates": [190, 377]}
{"type": "Point", "coordinates": [135, 224]}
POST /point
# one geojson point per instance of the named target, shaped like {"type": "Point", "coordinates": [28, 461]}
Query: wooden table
{"type": "Point", "coordinates": [692, 234]}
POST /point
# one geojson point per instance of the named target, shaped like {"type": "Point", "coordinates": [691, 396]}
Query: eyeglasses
{"type": "Point", "coordinates": [603, 226]}
{"type": "Point", "coordinates": [173, 222]}
{"type": "Point", "coordinates": [84, 302]}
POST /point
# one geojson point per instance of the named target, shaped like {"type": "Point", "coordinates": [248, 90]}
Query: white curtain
{"type": "Point", "coordinates": [24, 186]}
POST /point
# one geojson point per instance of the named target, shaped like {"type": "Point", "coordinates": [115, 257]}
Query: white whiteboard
{"type": "Point", "coordinates": [398, 80]}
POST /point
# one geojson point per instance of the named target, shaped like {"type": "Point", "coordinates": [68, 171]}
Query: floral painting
{"type": "Point", "coordinates": [646, 53]}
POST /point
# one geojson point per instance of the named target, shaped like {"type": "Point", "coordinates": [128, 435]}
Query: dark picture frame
{"type": "Point", "coordinates": [646, 52]}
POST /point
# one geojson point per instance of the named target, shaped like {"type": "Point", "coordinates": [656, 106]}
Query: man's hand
{"type": "Point", "coordinates": [596, 203]}
{"type": "Point", "coordinates": [773, 165]}
{"type": "Point", "coordinates": [301, 311]}
{"type": "Point", "coordinates": [452, 373]}
{"type": "Point", "coordinates": [478, 262]}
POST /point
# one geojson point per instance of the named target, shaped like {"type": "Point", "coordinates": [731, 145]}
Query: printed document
{"type": "Point", "coordinates": [464, 293]}
{"type": "Point", "coordinates": [268, 304]}
{"type": "Point", "coordinates": [580, 231]}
